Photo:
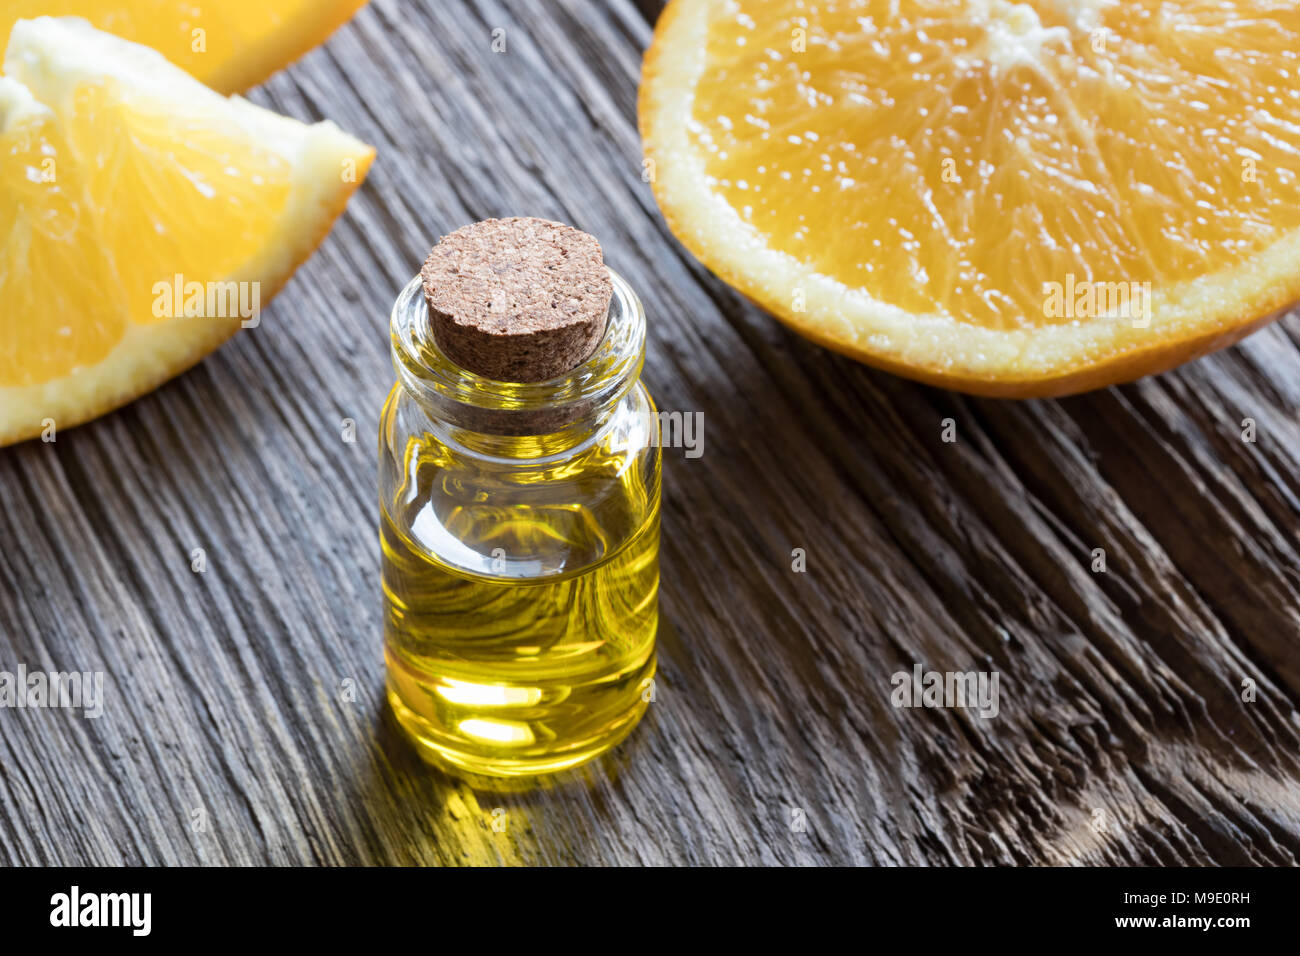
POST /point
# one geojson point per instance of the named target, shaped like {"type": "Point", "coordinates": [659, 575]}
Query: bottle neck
{"type": "Point", "coordinates": [517, 419]}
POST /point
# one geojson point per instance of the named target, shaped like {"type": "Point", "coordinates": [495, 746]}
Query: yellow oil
{"type": "Point", "coordinates": [519, 638]}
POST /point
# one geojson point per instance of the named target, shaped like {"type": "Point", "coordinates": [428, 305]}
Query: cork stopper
{"type": "Point", "coordinates": [517, 300]}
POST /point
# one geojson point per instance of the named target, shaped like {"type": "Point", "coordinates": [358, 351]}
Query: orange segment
{"type": "Point", "coordinates": [118, 174]}
{"type": "Point", "coordinates": [229, 46]}
{"type": "Point", "coordinates": [224, 195]}
{"type": "Point", "coordinates": [963, 192]}
{"type": "Point", "coordinates": [47, 328]}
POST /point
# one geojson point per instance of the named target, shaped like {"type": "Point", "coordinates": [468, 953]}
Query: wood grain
{"type": "Point", "coordinates": [1121, 691]}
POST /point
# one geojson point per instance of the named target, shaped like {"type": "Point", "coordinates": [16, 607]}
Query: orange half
{"type": "Point", "coordinates": [1010, 199]}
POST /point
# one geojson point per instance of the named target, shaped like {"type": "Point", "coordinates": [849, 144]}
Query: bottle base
{"type": "Point", "coordinates": [461, 762]}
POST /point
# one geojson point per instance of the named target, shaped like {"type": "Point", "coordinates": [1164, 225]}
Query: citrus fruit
{"type": "Point", "coordinates": [144, 219]}
{"type": "Point", "coordinates": [1012, 199]}
{"type": "Point", "coordinates": [229, 46]}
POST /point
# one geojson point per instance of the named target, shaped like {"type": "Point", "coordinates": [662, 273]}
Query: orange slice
{"type": "Point", "coordinates": [1012, 199]}
{"type": "Point", "coordinates": [229, 46]}
{"type": "Point", "coordinates": [145, 219]}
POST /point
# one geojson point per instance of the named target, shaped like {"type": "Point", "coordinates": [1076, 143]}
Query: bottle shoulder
{"type": "Point", "coordinates": [526, 516]}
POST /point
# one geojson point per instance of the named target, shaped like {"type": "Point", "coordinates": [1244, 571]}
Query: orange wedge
{"type": "Point", "coordinates": [1009, 199]}
{"type": "Point", "coordinates": [145, 219]}
{"type": "Point", "coordinates": [229, 46]}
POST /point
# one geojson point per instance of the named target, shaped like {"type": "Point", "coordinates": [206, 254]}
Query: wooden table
{"type": "Point", "coordinates": [228, 734]}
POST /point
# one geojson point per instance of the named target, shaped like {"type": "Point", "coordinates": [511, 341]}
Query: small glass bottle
{"type": "Point", "coordinates": [519, 525]}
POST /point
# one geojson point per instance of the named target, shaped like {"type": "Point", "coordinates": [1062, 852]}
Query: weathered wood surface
{"type": "Point", "coordinates": [1120, 691]}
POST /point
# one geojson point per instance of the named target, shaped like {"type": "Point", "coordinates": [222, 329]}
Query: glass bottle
{"type": "Point", "coordinates": [519, 525]}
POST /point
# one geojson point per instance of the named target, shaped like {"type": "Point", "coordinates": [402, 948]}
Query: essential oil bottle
{"type": "Point", "coordinates": [519, 478]}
